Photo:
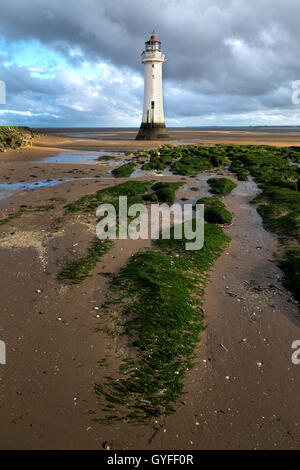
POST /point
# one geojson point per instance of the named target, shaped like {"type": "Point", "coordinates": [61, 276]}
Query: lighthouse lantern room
{"type": "Point", "coordinates": [153, 121]}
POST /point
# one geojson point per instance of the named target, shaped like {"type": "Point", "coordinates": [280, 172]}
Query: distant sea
{"type": "Point", "coordinates": [108, 130]}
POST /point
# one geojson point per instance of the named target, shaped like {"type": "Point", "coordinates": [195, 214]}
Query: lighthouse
{"type": "Point", "coordinates": [153, 122]}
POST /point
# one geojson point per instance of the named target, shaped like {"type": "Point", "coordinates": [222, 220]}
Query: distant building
{"type": "Point", "coordinates": [153, 122]}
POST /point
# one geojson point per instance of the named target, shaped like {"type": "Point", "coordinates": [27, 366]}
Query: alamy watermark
{"type": "Point", "coordinates": [296, 354]}
{"type": "Point", "coordinates": [162, 221]}
{"type": "Point", "coordinates": [2, 353]}
{"type": "Point", "coordinates": [296, 93]}
{"type": "Point", "coordinates": [2, 92]}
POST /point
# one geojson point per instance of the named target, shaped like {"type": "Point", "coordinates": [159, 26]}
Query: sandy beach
{"type": "Point", "coordinates": [243, 391]}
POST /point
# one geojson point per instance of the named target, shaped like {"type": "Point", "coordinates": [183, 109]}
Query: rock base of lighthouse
{"type": "Point", "coordinates": [152, 132]}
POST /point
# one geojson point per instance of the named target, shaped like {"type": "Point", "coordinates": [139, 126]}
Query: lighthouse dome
{"type": "Point", "coordinates": [153, 44]}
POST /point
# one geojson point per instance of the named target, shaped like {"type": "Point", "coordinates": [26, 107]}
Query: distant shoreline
{"type": "Point", "coordinates": [174, 129]}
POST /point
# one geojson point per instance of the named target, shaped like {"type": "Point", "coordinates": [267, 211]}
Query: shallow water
{"type": "Point", "coordinates": [8, 189]}
{"type": "Point", "coordinates": [203, 190]}
{"type": "Point", "coordinates": [204, 186]}
{"type": "Point", "coordinates": [249, 188]}
{"type": "Point", "coordinates": [116, 162]}
{"type": "Point", "coordinates": [138, 173]}
{"type": "Point", "coordinates": [80, 157]}
{"type": "Point", "coordinates": [87, 139]}
{"type": "Point", "coordinates": [83, 134]}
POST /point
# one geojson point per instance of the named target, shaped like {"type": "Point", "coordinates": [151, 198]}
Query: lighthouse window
{"type": "Point", "coordinates": [152, 104]}
{"type": "Point", "coordinates": [153, 66]}
{"type": "Point", "coordinates": [152, 76]}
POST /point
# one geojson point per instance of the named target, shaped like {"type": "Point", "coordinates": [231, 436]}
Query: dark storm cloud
{"type": "Point", "coordinates": [234, 45]}
{"type": "Point", "coordinates": [242, 51]}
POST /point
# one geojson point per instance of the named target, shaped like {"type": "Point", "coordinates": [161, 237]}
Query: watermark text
{"type": "Point", "coordinates": [162, 221]}
{"type": "Point", "coordinates": [2, 353]}
{"type": "Point", "coordinates": [2, 92]}
{"type": "Point", "coordinates": [296, 93]}
{"type": "Point", "coordinates": [296, 354]}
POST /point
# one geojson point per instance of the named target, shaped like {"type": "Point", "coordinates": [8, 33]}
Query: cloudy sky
{"type": "Point", "coordinates": [77, 63]}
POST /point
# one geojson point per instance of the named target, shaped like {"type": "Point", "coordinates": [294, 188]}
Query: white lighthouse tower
{"type": "Point", "coordinates": [153, 122]}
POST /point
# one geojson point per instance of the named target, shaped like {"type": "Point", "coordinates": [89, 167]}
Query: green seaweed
{"type": "Point", "coordinates": [90, 202]}
{"type": "Point", "coordinates": [158, 297]}
{"type": "Point", "coordinates": [215, 210]}
{"type": "Point", "coordinates": [221, 186]}
{"type": "Point", "coordinates": [165, 192]}
{"type": "Point", "coordinates": [106, 157]}
{"type": "Point", "coordinates": [124, 170]}
{"type": "Point", "coordinates": [76, 271]}
{"type": "Point", "coordinates": [10, 217]}
{"type": "Point", "coordinates": [186, 160]}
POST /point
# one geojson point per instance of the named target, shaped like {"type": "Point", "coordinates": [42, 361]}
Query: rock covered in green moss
{"type": "Point", "coordinates": [124, 170]}
{"type": "Point", "coordinates": [221, 186]}
{"type": "Point", "coordinates": [215, 211]}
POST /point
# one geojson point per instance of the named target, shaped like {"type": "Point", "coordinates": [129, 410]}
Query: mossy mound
{"type": "Point", "coordinates": [162, 318]}
{"type": "Point", "coordinates": [280, 210]}
{"type": "Point", "coordinates": [215, 211]}
{"type": "Point", "coordinates": [90, 202]}
{"type": "Point", "coordinates": [124, 170]}
{"type": "Point", "coordinates": [221, 186]}
{"type": "Point", "coordinates": [163, 192]}
{"type": "Point", "coordinates": [186, 160]}
{"type": "Point", "coordinates": [279, 180]}
{"type": "Point", "coordinates": [269, 165]}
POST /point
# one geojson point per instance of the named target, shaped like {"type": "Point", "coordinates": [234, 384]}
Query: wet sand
{"type": "Point", "coordinates": [242, 393]}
